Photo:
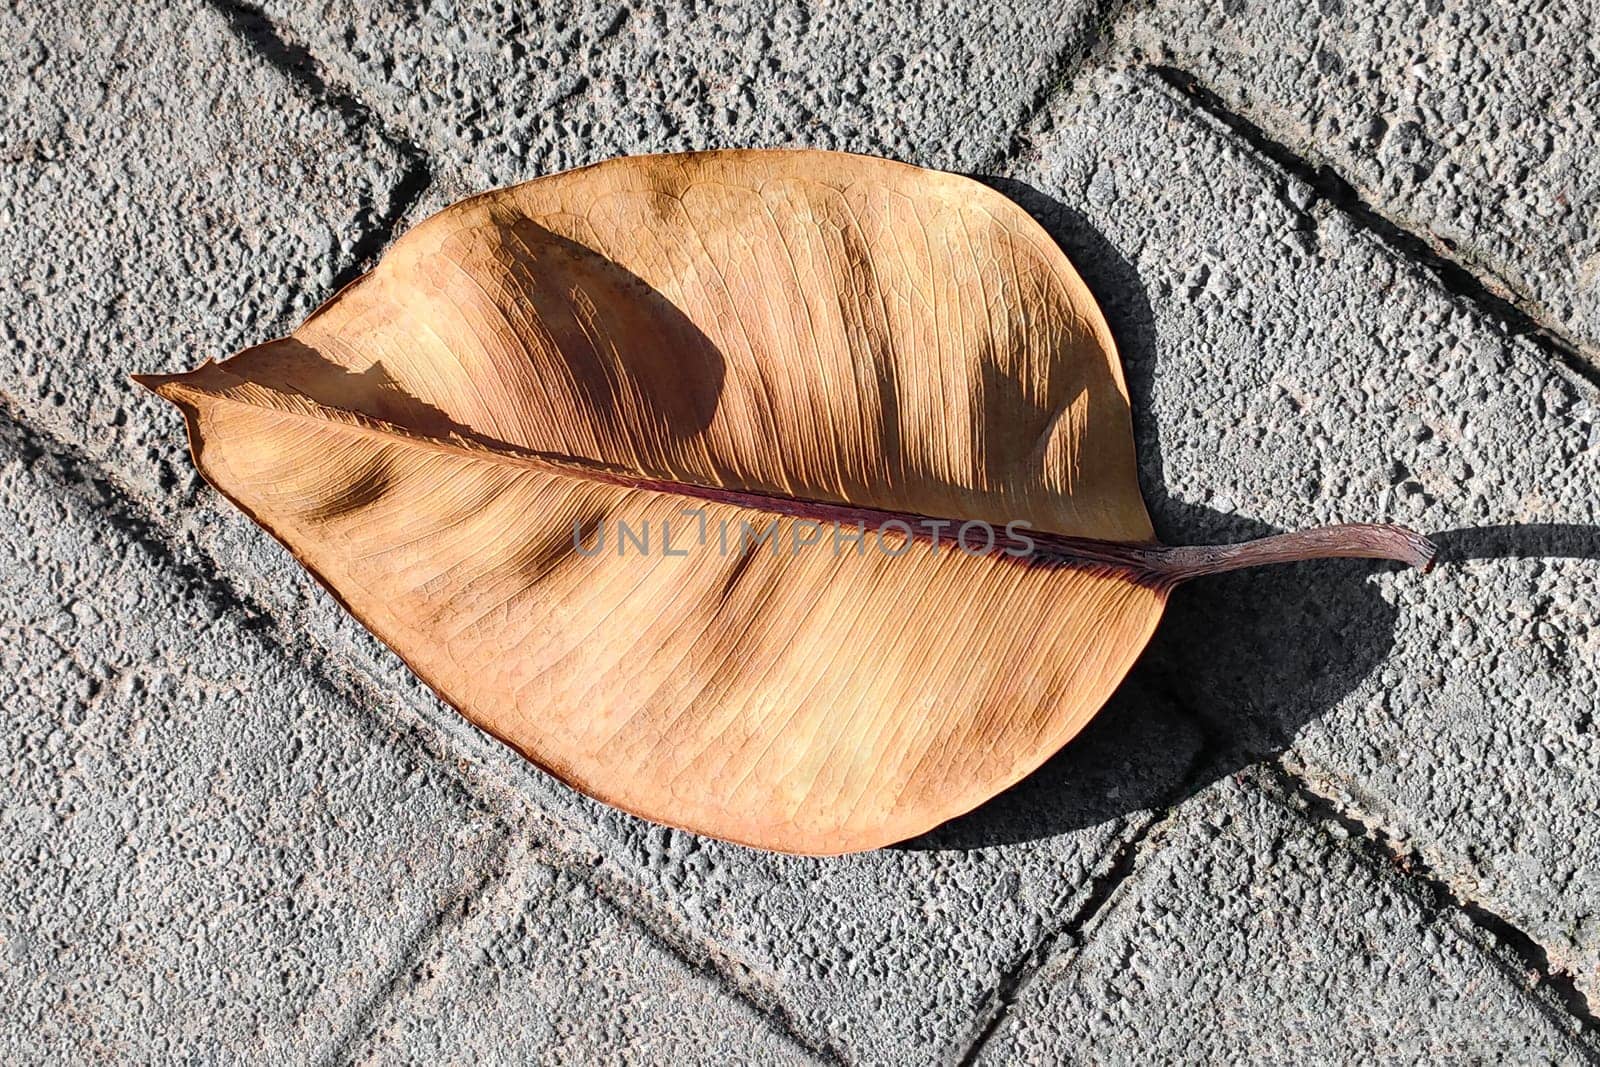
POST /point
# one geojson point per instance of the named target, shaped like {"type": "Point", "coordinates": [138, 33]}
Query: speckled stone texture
{"type": "Point", "coordinates": [508, 92]}
{"type": "Point", "coordinates": [237, 829]}
{"type": "Point", "coordinates": [1475, 126]}
{"type": "Point", "coordinates": [1239, 904]}
{"type": "Point", "coordinates": [1290, 370]}
{"type": "Point", "coordinates": [550, 972]}
{"type": "Point", "coordinates": [167, 197]}
{"type": "Point", "coordinates": [207, 853]}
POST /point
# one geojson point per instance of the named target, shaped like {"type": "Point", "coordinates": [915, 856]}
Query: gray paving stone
{"type": "Point", "coordinates": [875, 958]}
{"type": "Point", "coordinates": [504, 93]}
{"type": "Point", "coordinates": [1474, 125]}
{"type": "Point", "coordinates": [1288, 370]}
{"type": "Point", "coordinates": [549, 972]}
{"type": "Point", "coordinates": [208, 857]}
{"type": "Point", "coordinates": [1247, 935]}
{"type": "Point", "coordinates": [166, 197]}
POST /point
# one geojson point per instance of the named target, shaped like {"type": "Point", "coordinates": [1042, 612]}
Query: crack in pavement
{"type": "Point", "coordinates": [297, 62]}
{"type": "Point", "coordinates": [1495, 299]}
{"type": "Point", "coordinates": [1534, 972]}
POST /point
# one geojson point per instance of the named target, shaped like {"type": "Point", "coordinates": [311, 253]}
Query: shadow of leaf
{"type": "Point", "coordinates": [1246, 660]}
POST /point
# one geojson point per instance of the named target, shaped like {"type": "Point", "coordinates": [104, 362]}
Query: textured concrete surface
{"type": "Point", "coordinates": [1474, 126]}
{"type": "Point", "coordinates": [315, 864]}
{"type": "Point", "coordinates": [205, 851]}
{"type": "Point", "coordinates": [1237, 903]}
{"type": "Point", "coordinates": [166, 196]}
{"type": "Point", "coordinates": [504, 93]}
{"type": "Point", "coordinates": [1293, 371]}
{"type": "Point", "coordinates": [549, 972]}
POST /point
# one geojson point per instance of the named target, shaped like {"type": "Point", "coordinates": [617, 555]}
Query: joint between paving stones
{"type": "Point", "coordinates": [1068, 935]}
{"type": "Point", "coordinates": [301, 66]}
{"type": "Point", "coordinates": [1427, 887]}
{"type": "Point", "coordinates": [733, 976]}
{"type": "Point", "coordinates": [1546, 984]}
{"type": "Point", "coordinates": [406, 970]}
{"type": "Point", "coordinates": [408, 192]}
{"type": "Point", "coordinates": [86, 480]}
{"type": "Point", "coordinates": [83, 478]}
{"type": "Point", "coordinates": [1087, 50]}
{"type": "Point", "coordinates": [529, 845]}
{"type": "Point", "coordinates": [1491, 296]}
{"type": "Point", "coordinates": [1124, 861]}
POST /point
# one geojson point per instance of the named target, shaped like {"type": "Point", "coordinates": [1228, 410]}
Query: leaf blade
{"type": "Point", "coordinates": [808, 703]}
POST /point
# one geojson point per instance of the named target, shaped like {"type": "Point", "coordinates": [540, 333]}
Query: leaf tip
{"type": "Point", "coordinates": [166, 385]}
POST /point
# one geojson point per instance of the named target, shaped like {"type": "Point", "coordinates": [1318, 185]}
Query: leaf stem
{"type": "Point", "coordinates": [1176, 564]}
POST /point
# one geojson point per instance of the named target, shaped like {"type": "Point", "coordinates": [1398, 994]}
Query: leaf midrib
{"type": "Point", "coordinates": [1139, 560]}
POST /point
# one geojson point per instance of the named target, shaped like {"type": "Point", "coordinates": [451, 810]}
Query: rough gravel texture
{"type": "Point", "coordinates": [1239, 903]}
{"type": "Point", "coordinates": [1474, 126]}
{"type": "Point", "coordinates": [238, 829]}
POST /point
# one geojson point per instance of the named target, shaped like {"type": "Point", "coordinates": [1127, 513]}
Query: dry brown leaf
{"type": "Point", "coordinates": [786, 337]}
